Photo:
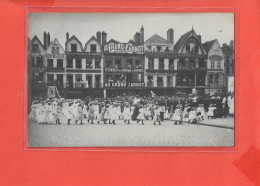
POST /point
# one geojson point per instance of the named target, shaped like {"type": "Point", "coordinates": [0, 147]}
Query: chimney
{"type": "Point", "coordinates": [142, 35]}
{"type": "Point", "coordinates": [104, 37]}
{"type": "Point", "coordinates": [170, 35]}
{"type": "Point", "coordinates": [67, 36]}
{"type": "Point", "coordinates": [137, 38]}
{"type": "Point", "coordinates": [99, 37]}
{"type": "Point", "coordinates": [199, 37]}
{"type": "Point", "coordinates": [44, 39]}
{"type": "Point", "coordinates": [48, 39]}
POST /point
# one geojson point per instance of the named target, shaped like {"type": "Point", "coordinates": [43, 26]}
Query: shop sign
{"type": "Point", "coordinates": [123, 48]}
{"type": "Point", "coordinates": [118, 85]}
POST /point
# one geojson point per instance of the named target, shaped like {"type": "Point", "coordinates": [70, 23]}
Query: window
{"type": "Point", "coordinates": [55, 50]}
{"type": "Point", "coordinates": [93, 48]}
{"type": "Point", "coordinates": [166, 49]}
{"type": "Point", "coordinates": [78, 77]}
{"type": "Point", "coordinates": [149, 47]}
{"type": "Point", "coordinates": [216, 78]}
{"type": "Point", "coordinates": [169, 81]}
{"type": "Point", "coordinates": [196, 49]}
{"type": "Point", "coordinates": [161, 63]}
{"type": "Point", "coordinates": [187, 62]}
{"type": "Point", "coordinates": [219, 64]}
{"type": "Point", "coordinates": [118, 64]}
{"type": "Point", "coordinates": [129, 63]}
{"type": "Point", "coordinates": [50, 78]}
{"type": "Point", "coordinates": [50, 63]}
{"type": "Point", "coordinates": [159, 48]}
{"type": "Point", "coordinates": [192, 63]}
{"type": "Point", "coordinates": [171, 64]}
{"type": "Point", "coordinates": [211, 79]}
{"type": "Point", "coordinates": [89, 64]}
{"type": "Point", "coordinates": [150, 63]}
{"type": "Point", "coordinates": [39, 62]}
{"type": "Point", "coordinates": [59, 63]}
{"type": "Point", "coordinates": [159, 81]}
{"type": "Point", "coordinates": [78, 63]}
{"type": "Point", "coordinates": [69, 63]}
{"type": "Point", "coordinates": [109, 63]}
{"type": "Point", "coordinates": [188, 48]}
{"type": "Point", "coordinates": [138, 63]}
{"type": "Point", "coordinates": [212, 64]}
{"type": "Point", "coordinates": [97, 64]}
{"type": "Point", "coordinates": [35, 48]}
{"type": "Point", "coordinates": [108, 78]}
{"type": "Point", "coordinates": [73, 47]}
{"type": "Point", "coordinates": [60, 78]}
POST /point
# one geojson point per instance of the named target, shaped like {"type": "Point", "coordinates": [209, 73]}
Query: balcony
{"type": "Point", "coordinates": [55, 69]}
{"type": "Point", "coordinates": [191, 68]}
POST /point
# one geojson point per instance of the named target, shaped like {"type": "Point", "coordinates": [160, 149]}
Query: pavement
{"type": "Point", "coordinates": [133, 135]}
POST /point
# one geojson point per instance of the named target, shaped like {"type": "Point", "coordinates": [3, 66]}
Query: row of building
{"type": "Point", "coordinates": [111, 67]}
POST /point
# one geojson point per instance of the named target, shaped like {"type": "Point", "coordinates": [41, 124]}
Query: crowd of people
{"type": "Point", "coordinates": [131, 109]}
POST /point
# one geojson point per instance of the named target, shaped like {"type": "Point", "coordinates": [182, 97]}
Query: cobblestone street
{"type": "Point", "coordinates": [167, 134]}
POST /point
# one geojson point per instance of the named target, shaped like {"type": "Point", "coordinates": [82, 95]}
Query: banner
{"type": "Point", "coordinates": [51, 91]}
{"type": "Point", "coordinates": [124, 48]}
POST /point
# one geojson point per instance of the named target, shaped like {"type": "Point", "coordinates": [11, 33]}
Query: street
{"type": "Point", "coordinates": [120, 135]}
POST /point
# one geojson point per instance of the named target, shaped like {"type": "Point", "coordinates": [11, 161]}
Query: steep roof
{"type": "Point", "coordinates": [74, 37]}
{"type": "Point", "coordinates": [181, 41]}
{"type": "Point", "coordinates": [207, 45]}
{"type": "Point", "coordinates": [92, 38]}
{"type": "Point", "coordinates": [36, 38]}
{"type": "Point", "coordinates": [156, 39]}
{"type": "Point", "coordinates": [55, 40]}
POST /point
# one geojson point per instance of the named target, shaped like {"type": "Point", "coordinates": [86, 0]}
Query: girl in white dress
{"type": "Point", "coordinates": [210, 112]}
{"type": "Point", "coordinates": [127, 114]}
{"type": "Point", "coordinates": [156, 117]}
{"type": "Point", "coordinates": [68, 113]}
{"type": "Point", "coordinates": [42, 114]}
{"type": "Point", "coordinates": [140, 116]}
{"type": "Point", "coordinates": [177, 116]}
{"type": "Point", "coordinates": [193, 116]}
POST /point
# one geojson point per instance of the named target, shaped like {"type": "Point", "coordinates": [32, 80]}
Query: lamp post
{"type": "Point", "coordinates": [197, 66]}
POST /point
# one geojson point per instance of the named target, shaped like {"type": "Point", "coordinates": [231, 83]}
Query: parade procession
{"type": "Point", "coordinates": [137, 87]}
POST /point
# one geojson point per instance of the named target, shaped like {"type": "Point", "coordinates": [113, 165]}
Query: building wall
{"type": "Point", "coordinates": [74, 41]}
{"type": "Point", "coordinates": [98, 47]}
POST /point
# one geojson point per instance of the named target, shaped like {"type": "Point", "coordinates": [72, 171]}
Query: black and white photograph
{"type": "Point", "coordinates": [131, 80]}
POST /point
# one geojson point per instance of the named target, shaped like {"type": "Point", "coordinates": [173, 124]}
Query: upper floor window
{"type": "Point", "coordinates": [150, 63]}
{"type": "Point", "coordinates": [39, 61]}
{"type": "Point", "coordinates": [149, 47]}
{"type": "Point", "coordinates": [212, 64]}
{"type": "Point", "coordinates": [196, 49]}
{"type": "Point", "coordinates": [159, 48]}
{"type": "Point", "coordinates": [171, 64]}
{"type": "Point", "coordinates": [188, 48]}
{"type": "Point", "coordinates": [129, 63]}
{"type": "Point", "coordinates": [97, 64]}
{"type": "Point", "coordinates": [73, 47]}
{"type": "Point", "coordinates": [78, 63]}
{"type": "Point", "coordinates": [109, 63]}
{"type": "Point", "coordinates": [35, 48]}
{"type": "Point", "coordinates": [219, 64]}
{"type": "Point", "coordinates": [118, 64]}
{"type": "Point", "coordinates": [50, 63]}
{"type": "Point", "coordinates": [138, 63]}
{"type": "Point", "coordinates": [93, 48]}
{"type": "Point", "coordinates": [161, 63]}
{"type": "Point", "coordinates": [89, 64]}
{"type": "Point", "coordinates": [60, 63]}
{"type": "Point", "coordinates": [69, 63]}
{"type": "Point", "coordinates": [50, 78]}
{"type": "Point", "coordinates": [55, 50]}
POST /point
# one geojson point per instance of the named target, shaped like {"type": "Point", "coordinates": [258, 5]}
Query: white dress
{"type": "Point", "coordinates": [211, 111]}
{"type": "Point", "coordinates": [177, 115]}
{"type": "Point", "coordinates": [141, 114]}
{"type": "Point", "coordinates": [192, 115]}
{"type": "Point", "coordinates": [127, 113]}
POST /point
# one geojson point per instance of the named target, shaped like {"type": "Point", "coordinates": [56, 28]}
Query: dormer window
{"type": "Point", "coordinates": [188, 48]}
{"type": "Point", "coordinates": [73, 47]}
{"type": "Point", "coordinates": [35, 48]}
{"type": "Point", "coordinates": [93, 48]}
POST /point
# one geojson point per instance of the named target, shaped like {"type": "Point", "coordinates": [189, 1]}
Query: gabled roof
{"type": "Point", "coordinates": [181, 41]}
{"type": "Point", "coordinates": [112, 40]}
{"type": "Point", "coordinates": [92, 38]}
{"type": "Point", "coordinates": [207, 45]}
{"type": "Point", "coordinates": [131, 41]}
{"type": "Point", "coordinates": [55, 39]}
{"type": "Point", "coordinates": [74, 37]}
{"type": "Point", "coordinates": [156, 39]}
{"type": "Point", "coordinates": [37, 39]}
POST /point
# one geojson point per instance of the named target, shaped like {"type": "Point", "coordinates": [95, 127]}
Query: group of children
{"type": "Point", "coordinates": [53, 111]}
